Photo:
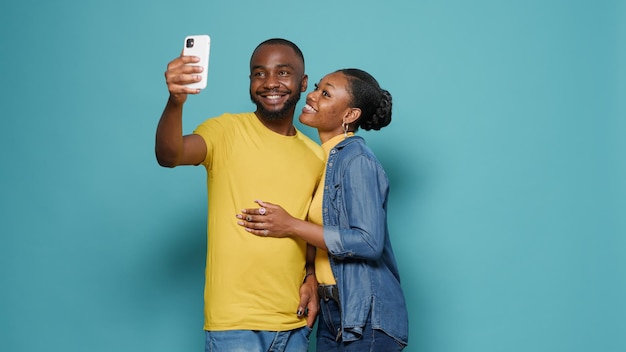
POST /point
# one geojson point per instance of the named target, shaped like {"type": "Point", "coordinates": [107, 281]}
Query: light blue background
{"type": "Point", "coordinates": [506, 156]}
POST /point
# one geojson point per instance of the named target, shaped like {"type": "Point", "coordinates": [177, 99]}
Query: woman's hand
{"type": "Point", "coordinates": [270, 220]}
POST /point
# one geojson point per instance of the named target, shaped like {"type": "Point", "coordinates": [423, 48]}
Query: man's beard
{"type": "Point", "coordinates": [276, 114]}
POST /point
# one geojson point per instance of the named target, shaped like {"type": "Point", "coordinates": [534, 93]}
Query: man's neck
{"type": "Point", "coordinates": [283, 125]}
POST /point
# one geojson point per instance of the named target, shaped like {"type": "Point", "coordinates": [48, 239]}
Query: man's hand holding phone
{"type": "Point", "coordinates": [187, 74]}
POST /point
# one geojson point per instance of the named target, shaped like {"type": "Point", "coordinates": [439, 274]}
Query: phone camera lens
{"type": "Point", "coordinates": [190, 43]}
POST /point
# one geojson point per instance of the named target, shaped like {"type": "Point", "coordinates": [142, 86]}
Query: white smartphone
{"type": "Point", "coordinates": [200, 46]}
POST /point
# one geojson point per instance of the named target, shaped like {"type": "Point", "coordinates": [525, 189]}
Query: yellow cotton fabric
{"type": "Point", "coordinates": [252, 282]}
{"type": "Point", "coordinates": [322, 264]}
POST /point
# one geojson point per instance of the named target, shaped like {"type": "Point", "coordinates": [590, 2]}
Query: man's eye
{"type": "Point", "coordinates": [283, 73]}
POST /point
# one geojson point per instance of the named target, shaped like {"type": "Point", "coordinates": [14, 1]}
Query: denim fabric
{"type": "Point", "coordinates": [329, 340]}
{"type": "Point", "coordinates": [296, 340]}
{"type": "Point", "coordinates": [354, 211]}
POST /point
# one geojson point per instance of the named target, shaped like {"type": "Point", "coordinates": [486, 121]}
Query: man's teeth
{"type": "Point", "coordinates": [273, 96]}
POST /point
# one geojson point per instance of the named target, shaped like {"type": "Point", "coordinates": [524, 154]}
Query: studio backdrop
{"type": "Point", "coordinates": [506, 158]}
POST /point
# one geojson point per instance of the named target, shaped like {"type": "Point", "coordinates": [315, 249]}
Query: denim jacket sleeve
{"type": "Point", "coordinates": [360, 188]}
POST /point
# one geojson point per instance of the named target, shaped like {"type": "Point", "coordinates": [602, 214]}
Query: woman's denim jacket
{"type": "Point", "coordinates": [354, 211]}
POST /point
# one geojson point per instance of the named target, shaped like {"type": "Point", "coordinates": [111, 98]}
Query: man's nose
{"type": "Point", "coordinates": [272, 81]}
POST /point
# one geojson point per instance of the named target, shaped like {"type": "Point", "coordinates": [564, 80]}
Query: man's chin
{"type": "Point", "coordinates": [276, 114]}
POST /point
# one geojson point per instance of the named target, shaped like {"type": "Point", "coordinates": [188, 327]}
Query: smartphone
{"type": "Point", "coordinates": [200, 46]}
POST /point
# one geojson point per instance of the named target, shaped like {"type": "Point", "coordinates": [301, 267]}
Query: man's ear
{"type": "Point", "coordinates": [352, 115]}
{"type": "Point", "coordinates": [304, 84]}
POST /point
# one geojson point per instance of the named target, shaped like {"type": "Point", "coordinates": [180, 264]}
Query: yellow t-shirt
{"type": "Point", "coordinates": [322, 265]}
{"type": "Point", "coordinates": [252, 283]}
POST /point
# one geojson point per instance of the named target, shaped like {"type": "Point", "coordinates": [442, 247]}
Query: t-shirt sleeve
{"type": "Point", "coordinates": [213, 132]}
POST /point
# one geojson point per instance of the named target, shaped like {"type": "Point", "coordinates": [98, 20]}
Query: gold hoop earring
{"type": "Point", "coordinates": [345, 129]}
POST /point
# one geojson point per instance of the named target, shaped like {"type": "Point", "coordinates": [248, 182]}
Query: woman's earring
{"type": "Point", "coordinates": [345, 129]}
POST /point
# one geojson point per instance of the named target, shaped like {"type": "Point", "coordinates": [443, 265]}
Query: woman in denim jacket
{"type": "Point", "coordinates": [362, 307]}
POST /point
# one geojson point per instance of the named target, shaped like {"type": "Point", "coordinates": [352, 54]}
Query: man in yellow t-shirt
{"type": "Point", "coordinates": [254, 291]}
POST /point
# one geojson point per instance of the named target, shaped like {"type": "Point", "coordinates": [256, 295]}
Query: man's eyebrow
{"type": "Point", "coordinates": [255, 67]}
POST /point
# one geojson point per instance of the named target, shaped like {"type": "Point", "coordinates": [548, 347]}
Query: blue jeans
{"type": "Point", "coordinates": [329, 339]}
{"type": "Point", "coordinates": [296, 340]}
